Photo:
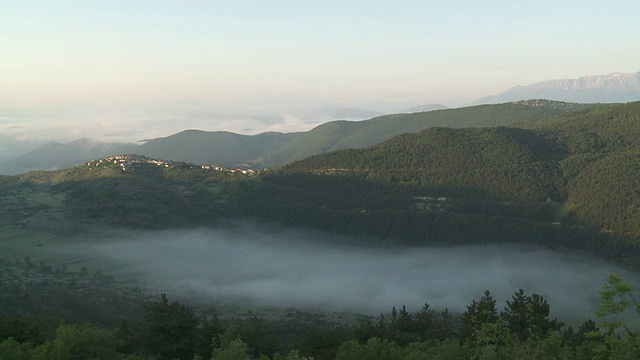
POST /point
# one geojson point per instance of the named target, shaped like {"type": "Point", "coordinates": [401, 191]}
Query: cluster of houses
{"type": "Point", "coordinates": [127, 160]}
{"type": "Point", "coordinates": [432, 203]}
{"type": "Point", "coordinates": [245, 171]}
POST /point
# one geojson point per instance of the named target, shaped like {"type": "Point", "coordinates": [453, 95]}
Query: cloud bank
{"type": "Point", "coordinates": [308, 270]}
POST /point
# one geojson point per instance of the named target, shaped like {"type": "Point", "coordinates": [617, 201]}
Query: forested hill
{"type": "Point", "coordinates": [570, 180]}
{"type": "Point", "coordinates": [338, 135]}
{"type": "Point", "coordinates": [215, 147]}
{"type": "Point", "coordinates": [500, 163]}
{"type": "Point", "coordinates": [601, 129]}
{"type": "Point", "coordinates": [588, 160]}
{"type": "Point", "coordinates": [601, 170]}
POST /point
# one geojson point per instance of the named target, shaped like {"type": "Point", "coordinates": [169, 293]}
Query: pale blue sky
{"type": "Point", "coordinates": [249, 66]}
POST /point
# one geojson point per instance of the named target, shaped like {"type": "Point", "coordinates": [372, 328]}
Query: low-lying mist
{"type": "Point", "coordinates": [300, 269]}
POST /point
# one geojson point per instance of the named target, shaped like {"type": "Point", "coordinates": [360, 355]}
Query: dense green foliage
{"type": "Point", "coordinates": [144, 196]}
{"type": "Point", "coordinates": [54, 293]}
{"type": "Point", "coordinates": [571, 180]}
{"type": "Point", "coordinates": [602, 164]}
{"type": "Point", "coordinates": [171, 330]}
{"type": "Point", "coordinates": [502, 163]}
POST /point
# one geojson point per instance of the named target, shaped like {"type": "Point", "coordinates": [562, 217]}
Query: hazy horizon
{"type": "Point", "coordinates": [126, 71]}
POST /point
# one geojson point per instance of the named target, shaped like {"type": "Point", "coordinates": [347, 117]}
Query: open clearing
{"type": "Point", "coordinates": [17, 243]}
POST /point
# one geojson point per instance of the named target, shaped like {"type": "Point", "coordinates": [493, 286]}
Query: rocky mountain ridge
{"type": "Point", "coordinates": [615, 87]}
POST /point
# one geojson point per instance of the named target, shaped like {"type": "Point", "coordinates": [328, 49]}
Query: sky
{"type": "Point", "coordinates": [123, 70]}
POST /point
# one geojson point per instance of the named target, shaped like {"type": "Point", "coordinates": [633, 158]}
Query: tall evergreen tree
{"type": "Point", "coordinates": [478, 313]}
{"type": "Point", "coordinates": [168, 330]}
{"type": "Point", "coordinates": [528, 316]}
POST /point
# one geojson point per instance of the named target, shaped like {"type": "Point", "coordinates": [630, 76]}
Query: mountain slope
{"type": "Point", "coordinates": [343, 135]}
{"type": "Point", "coordinates": [611, 88]}
{"type": "Point", "coordinates": [427, 107]}
{"type": "Point", "coordinates": [571, 180]}
{"type": "Point", "coordinates": [275, 149]}
{"type": "Point", "coordinates": [503, 164]}
{"type": "Point", "coordinates": [219, 147]}
{"type": "Point", "coordinates": [588, 160]}
{"type": "Point", "coordinates": [602, 173]}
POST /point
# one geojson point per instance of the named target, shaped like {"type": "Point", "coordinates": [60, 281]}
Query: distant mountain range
{"type": "Point", "coordinates": [427, 107]}
{"type": "Point", "coordinates": [612, 88]}
{"type": "Point", "coordinates": [275, 149]}
{"type": "Point", "coordinates": [347, 113]}
{"type": "Point", "coordinates": [55, 156]}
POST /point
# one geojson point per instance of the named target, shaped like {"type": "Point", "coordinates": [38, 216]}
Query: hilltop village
{"type": "Point", "coordinates": [127, 161]}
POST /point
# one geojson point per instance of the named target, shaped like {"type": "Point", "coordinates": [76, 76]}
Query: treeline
{"type": "Point", "coordinates": [606, 194]}
{"type": "Point", "coordinates": [170, 330]}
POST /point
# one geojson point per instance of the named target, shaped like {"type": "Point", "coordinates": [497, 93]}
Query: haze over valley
{"type": "Point", "coordinates": [522, 205]}
{"type": "Point", "coordinates": [319, 180]}
{"type": "Point", "coordinates": [245, 265]}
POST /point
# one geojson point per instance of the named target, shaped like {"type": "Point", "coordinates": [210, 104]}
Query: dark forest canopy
{"type": "Point", "coordinates": [168, 329]}
{"type": "Point", "coordinates": [580, 169]}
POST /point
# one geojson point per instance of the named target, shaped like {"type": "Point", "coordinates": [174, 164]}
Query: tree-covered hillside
{"type": "Point", "coordinates": [588, 160]}
{"type": "Point", "coordinates": [362, 134]}
{"type": "Point", "coordinates": [276, 149]}
{"type": "Point", "coordinates": [601, 170]}
{"type": "Point", "coordinates": [568, 180]}
{"type": "Point", "coordinates": [501, 163]}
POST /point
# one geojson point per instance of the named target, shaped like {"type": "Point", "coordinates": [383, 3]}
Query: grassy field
{"type": "Point", "coordinates": [17, 243]}
{"type": "Point", "coordinates": [45, 198]}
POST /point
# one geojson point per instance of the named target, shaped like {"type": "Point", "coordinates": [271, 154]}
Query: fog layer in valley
{"type": "Point", "coordinates": [305, 270]}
